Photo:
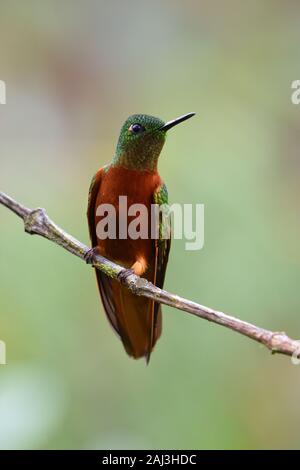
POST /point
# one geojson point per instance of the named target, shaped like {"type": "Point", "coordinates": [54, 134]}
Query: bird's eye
{"type": "Point", "coordinates": [136, 128]}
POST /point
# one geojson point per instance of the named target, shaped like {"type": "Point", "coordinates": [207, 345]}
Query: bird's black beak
{"type": "Point", "coordinates": [173, 123]}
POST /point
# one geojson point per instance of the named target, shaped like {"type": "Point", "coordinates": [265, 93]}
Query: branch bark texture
{"type": "Point", "coordinates": [36, 221]}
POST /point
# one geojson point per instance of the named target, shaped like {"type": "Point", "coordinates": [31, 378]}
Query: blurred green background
{"type": "Point", "coordinates": [74, 71]}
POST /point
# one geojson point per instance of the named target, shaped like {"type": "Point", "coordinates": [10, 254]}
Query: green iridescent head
{"type": "Point", "coordinates": [141, 140]}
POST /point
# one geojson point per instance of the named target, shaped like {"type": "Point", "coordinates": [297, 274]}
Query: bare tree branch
{"type": "Point", "coordinates": [36, 221]}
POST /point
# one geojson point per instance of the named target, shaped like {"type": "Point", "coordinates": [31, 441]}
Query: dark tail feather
{"type": "Point", "coordinates": [130, 316]}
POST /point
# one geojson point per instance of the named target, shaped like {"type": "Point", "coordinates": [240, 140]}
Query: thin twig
{"type": "Point", "coordinates": [36, 221]}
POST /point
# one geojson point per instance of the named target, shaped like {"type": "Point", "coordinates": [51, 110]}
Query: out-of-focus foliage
{"type": "Point", "coordinates": [74, 71]}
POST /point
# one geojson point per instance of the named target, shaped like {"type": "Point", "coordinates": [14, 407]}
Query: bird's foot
{"type": "Point", "coordinates": [90, 254]}
{"type": "Point", "coordinates": [123, 275]}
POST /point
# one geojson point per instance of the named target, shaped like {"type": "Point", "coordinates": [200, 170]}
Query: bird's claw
{"type": "Point", "coordinates": [89, 255]}
{"type": "Point", "coordinates": [123, 275]}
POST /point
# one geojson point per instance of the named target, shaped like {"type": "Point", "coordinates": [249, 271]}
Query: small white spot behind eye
{"type": "Point", "coordinates": [136, 128]}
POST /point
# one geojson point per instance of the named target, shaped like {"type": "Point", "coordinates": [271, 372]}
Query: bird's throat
{"type": "Point", "coordinates": [141, 156]}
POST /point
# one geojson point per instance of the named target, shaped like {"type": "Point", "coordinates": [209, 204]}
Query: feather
{"type": "Point", "coordinates": [136, 320]}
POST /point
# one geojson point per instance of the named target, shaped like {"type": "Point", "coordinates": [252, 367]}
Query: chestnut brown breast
{"type": "Point", "coordinates": [139, 187]}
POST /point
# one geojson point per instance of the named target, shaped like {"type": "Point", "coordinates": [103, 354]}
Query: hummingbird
{"type": "Point", "coordinates": [133, 173]}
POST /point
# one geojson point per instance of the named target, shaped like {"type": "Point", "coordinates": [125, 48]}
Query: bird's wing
{"type": "Point", "coordinates": [93, 192]}
{"type": "Point", "coordinates": [163, 244]}
{"type": "Point", "coordinates": [164, 240]}
{"type": "Point", "coordinates": [104, 283]}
